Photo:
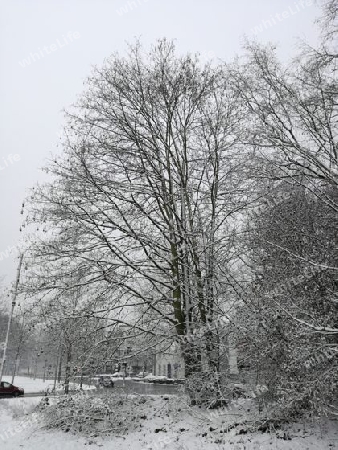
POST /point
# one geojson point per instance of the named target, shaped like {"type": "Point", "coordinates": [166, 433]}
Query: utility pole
{"type": "Point", "coordinates": [15, 293]}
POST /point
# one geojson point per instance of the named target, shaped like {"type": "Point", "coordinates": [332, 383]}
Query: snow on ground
{"type": "Point", "coordinates": [32, 385]}
{"type": "Point", "coordinates": [29, 384]}
{"type": "Point", "coordinates": [168, 424]}
{"type": "Point", "coordinates": [20, 428]}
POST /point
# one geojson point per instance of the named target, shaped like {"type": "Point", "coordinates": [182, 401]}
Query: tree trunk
{"type": "Point", "coordinates": [67, 372]}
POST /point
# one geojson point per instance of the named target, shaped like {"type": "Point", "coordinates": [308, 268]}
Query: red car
{"type": "Point", "coordinates": [8, 389]}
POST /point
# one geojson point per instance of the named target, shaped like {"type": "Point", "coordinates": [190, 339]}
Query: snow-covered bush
{"type": "Point", "coordinates": [93, 415]}
{"type": "Point", "coordinates": [204, 389]}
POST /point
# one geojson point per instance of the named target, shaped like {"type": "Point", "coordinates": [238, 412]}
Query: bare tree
{"type": "Point", "coordinates": [146, 195]}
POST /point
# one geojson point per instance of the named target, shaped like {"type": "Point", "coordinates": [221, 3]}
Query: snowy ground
{"type": "Point", "coordinates": [168, 423]}
{"type": "Point", "coordinates": [31, 385]}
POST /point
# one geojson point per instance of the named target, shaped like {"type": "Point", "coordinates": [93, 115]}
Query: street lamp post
{"type": "Point", "coordinates": [15, 293]}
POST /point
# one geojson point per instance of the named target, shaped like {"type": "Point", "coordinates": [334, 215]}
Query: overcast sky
{"type": "Point", "coordinates": [47, 48]}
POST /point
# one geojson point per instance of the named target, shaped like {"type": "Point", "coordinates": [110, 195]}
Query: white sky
{"type": "Point", "coordinates": [33, 95]}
